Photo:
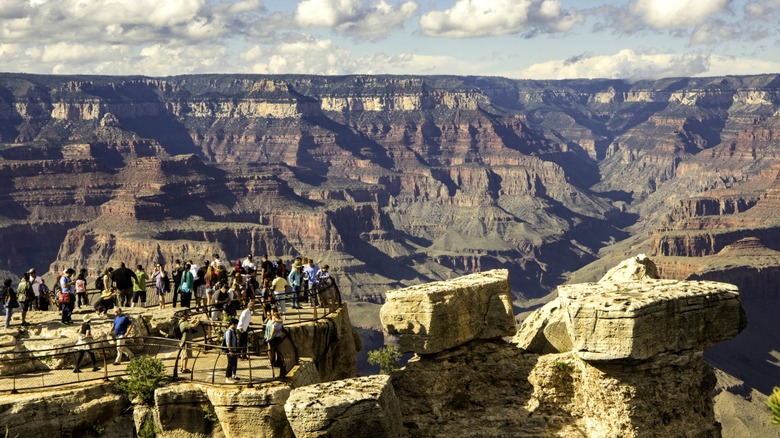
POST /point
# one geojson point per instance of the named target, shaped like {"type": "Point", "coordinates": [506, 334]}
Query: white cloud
{"type": "Point", "coordinates": [667, 14]}
{"type": "Point", "coordinates": [626, 64]}
{"type": "Point", "coordinates": [354, 17]}
{"type": "Point", "coordinates": [308, 56]}
{"type": "Point", "coordinates": [476, 18]}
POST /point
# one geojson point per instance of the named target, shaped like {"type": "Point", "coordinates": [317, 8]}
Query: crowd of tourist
{"type": "Point", "coordinates": [220, 290]}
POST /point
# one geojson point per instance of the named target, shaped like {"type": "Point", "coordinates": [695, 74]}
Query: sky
{"type": "Point", "coordinates": [529, 39]}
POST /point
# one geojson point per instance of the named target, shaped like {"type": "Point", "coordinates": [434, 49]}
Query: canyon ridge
{"type": "Point", "coordinates": [400, 180]}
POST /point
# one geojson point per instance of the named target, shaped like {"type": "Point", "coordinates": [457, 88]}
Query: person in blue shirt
{"type": "Point", "coordinates": [122, 324]}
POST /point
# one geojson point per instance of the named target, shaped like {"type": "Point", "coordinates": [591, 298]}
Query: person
{"type": "Point", "coordinates": [36, 281]}
{"type": "Point", "coordinates": [160, 278]}
{"type": "Point", "coordinates": [279, 287]}
{"type": "Point", "coordinates": [83, 345]}
{"type": "Point", "coordinates": [243, 328]}
{"type": "Point", "coordinates": [324, 280]}
{"type": "Point", "coordinates": [310, 275]}
{"type": "Point", "coordinates": [186, 285]}
{"type": "Point", "coordinates": [251, 285]}
{"type": "Point", "coordinates": [231, 349]}
{"type": "Point", "coordinates": [248, 263]}
{"type": "Point", "coordinates": [176, 274]}
{"type": "Point", "coordinates": [139, 286]}
{"type": "Point", "coordinates": [106, 301]}
{"type": "Point", "coordinates": [186, 326]}
{"type": "Point", "coordinates": [267, 269]}
{"type": "Point", "coordinates": [123, 280]}
{"type": "Point", "coordinates": [121, 327]}
{"type": "Point", "coordinates": [274, 331]}
{"type": "Point", "coordinates": [26, 296]}
{"type": "Point", "coordinates": [295, 279]}
{"type": "Point", "coordinates": [281, 268]}
{"type": "Point", "coordinates": [66, 296]}
{"type": "Point", "coordinates": [204, 287]}
{"type": "Point", "coordinates": [9, 301]}
{"type": "Point", "coordinates": [43, 294]}
{"type": "Point", "coordinates": [220, 298]}
{"type": "Point", "coordinates": [217, 262]}
{"type": "Point", "coordinates": [81, 289]}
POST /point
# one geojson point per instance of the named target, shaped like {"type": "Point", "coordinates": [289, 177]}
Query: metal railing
{"type": "Point", "coordinates": [51, 367]}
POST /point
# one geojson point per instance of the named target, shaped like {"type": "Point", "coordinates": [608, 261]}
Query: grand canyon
{"type": "Point", "coordinates": [399, 180]}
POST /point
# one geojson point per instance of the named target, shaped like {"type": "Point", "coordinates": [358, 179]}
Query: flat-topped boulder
{"type": "Point", "coordinates": [637, 321]}
{"type": "Point", "coordinates": [358, 407]}
{"type": "Point", "coordinates": [631, 315]}
{"type": "Point", "coordinates": [433, 317]}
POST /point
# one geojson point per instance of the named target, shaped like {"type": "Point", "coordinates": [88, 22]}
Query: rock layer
{"type": "Point", "coordinates": [433, 317]}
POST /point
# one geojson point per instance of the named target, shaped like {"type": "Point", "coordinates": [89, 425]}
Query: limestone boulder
{"type": "Point", "coordinates": [544, 331]}
{"type": "Point", "coordinates": [636, 321]}
{"type": "Point", "coordinates": [433, 317]}
{"type": "Point", "coordinates": [639, 268]}
{"type": "Point", "coordinates": [359, 407]}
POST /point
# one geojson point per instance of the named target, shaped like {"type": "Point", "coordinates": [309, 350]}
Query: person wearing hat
{"type": "Point", "coordinates": [186, 327]}
{"type": "Point", "coordinates": [26, 297]}
{"type": "Point", "coordinates": [83, 345]}
{"type": "Point", "coordinates": [231, 349]}
{"type": "Point", "coordinates": [106, 301]}
{"type": "Point", "coordinates": [295, 279]}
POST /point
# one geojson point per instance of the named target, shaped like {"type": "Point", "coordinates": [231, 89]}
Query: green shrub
{"type": "Point", "coordinates": [146, 374]}
{"type": "Point", "coordinates": [562, 367]}
{"type": "Point", "coordinates": [774, 405]}
{"type": "Point", "coordinates": [148, 430]}
{"type": "Point", "coordinates": [386, 358]}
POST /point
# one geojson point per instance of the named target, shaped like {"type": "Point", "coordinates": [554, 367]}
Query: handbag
{"type": "Point", "coordinates": [13, 304]}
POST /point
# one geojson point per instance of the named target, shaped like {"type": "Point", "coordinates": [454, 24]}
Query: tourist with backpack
{"type": "Point", "coordinates": [26, 296]}
{"type": "Point", "coordinates": [66, 296]}
{"type": "Point", "coordinates": [183, 332]}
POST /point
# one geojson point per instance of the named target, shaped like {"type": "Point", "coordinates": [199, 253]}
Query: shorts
{"type": "Point", "coordinates": [202, 291]}
{"type": "Point", "coordinates": [139, 294]}
{"type": "Point", "coordinates": [25, 305]}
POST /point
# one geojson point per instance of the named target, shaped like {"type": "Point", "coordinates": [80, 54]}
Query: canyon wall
{"type": "Point", "coordinates": [392, 180]}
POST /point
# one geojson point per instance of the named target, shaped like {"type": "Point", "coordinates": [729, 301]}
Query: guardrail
{"type": "Point", "coordinates": [45, 368]}
{"type": "Point", "coordinates": [53, 367]}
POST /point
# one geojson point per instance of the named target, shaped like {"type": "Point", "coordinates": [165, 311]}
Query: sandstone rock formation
{"type": "Point", "coordinates": [433, 317]}
{"type": "Point", "coordinates": [631, 365]}
{"type": "Point", "coordinates": [360, 407]}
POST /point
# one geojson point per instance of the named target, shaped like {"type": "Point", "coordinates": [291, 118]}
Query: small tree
{"type": "Point", "coordinates": [386, 358]}
{"type": "Point", "coordinates": [146, 374]}
{"type": "Point", "coordinates": [774, 405]}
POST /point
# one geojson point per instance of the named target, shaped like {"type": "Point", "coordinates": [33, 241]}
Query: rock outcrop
{"type": "Point", "coordinates": [604, 359]}
{"type": "Point", "coordinates": [433, 317]}
{"type": "Point", "coordinates": [360, 407]}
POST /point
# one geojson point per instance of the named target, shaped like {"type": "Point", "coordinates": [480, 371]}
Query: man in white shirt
{"type": "Point", "coordinates": [35, 281]}
{"type": "Point", "coordinates": [243, 328]}
{"type": "Point", "coordinates": [248, 264]}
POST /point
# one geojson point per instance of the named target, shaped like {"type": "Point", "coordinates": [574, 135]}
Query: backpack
{"type": "Point", "coordinates": [99, 284]}
{"type": "Point", "coordinates": [177, 333]}
{"type": "Point", "coordinates": [166, 285]}
{"type": "Point", "coordinates": [63, 298]}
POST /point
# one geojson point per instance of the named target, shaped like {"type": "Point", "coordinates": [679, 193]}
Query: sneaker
{"type": "Point", "coordinates": [236, 378]}
{"type": "Point", "coordinates": [117, 363]}
{"type": "Point", "coordinates": [229, 380]}
{"type": "Point", "coordinates": [95, 368]}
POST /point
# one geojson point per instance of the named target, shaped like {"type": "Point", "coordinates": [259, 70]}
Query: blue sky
{"type": "Point", "coordinates": [555, 39]}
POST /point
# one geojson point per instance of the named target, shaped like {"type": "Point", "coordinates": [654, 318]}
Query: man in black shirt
{"type": "Point", "coordinates": [177, 272]}
{"type": "Point", "coordinates": [123, 279]}
{"type": "Point", "coordinates": [267, 270]}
